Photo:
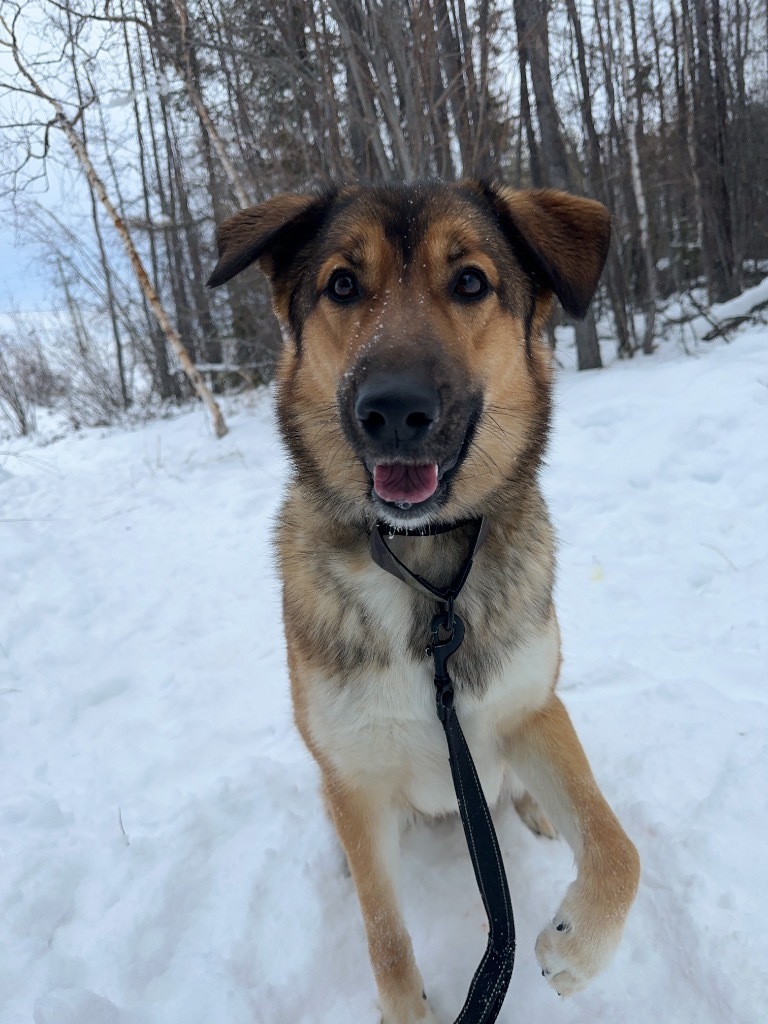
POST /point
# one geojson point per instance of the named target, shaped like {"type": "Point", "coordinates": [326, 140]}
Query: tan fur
{"type": "Point", "coordinates": [361, 686]}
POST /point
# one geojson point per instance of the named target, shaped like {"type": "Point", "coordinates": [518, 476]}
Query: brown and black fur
{"type": "Point", "coordinates": [360, 682]}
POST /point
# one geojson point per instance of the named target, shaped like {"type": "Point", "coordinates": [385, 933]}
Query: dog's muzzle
{"type": "Point", "coordinates": [396, 414]}
{"type": "Point", "coordinates": [408, 420]}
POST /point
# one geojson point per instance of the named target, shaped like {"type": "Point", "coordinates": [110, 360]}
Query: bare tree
{"type": "Point", "coordinates": [658, 110]}
{"type": "Point", "coordinates": [68, 125]}
{"type": "Point", "coordinates": [633, 119]}
{"type": "Point", "coordinates": [533, 30]}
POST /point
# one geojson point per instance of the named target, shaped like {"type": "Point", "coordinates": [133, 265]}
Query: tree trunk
{"type": "Point", "coordinates": [634, 121]}
{"type": "Point", "coordinates": [145, 284]}
{"type": "Point", "coordinates": [533, 33]}
{"type": "Point", "coordinates": [602, 188]}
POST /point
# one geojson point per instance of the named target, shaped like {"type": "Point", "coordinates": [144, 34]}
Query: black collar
{"type": "Point", "coordinates": [430, 530]}
{"type": "Point", "coordinates": [384, 557]}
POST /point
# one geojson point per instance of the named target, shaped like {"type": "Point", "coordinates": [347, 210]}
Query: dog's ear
{"type": "Point", "coordinates": [272, 233]}
{"type": "Point", "coordinates": [562, 240]}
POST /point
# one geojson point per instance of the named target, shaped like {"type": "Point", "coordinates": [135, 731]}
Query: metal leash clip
{"type": "Point", "coordinates": [440, 650]}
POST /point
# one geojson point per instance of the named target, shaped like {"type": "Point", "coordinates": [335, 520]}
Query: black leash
{"type": "Point", "coordinates": [491, 981]}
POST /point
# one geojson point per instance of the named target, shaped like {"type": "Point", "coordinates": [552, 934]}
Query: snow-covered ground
{"type": "Point", "coordinates": [164, 856]}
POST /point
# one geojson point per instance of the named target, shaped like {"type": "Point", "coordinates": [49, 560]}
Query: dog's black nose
{"type": "Point", "coordinates": [392, 408]}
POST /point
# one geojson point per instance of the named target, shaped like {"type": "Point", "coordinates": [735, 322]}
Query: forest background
{"type": "Point", "coordinates": [132, 128]}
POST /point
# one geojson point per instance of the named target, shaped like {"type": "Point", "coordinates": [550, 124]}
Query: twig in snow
{"type": "Point", "coordinates": [122, 826]}
{"type": "Point", "coordinates": [24, 456]}
{"type": "Point", "coordinates": [120, 512]}
{"type": "Point", "coordinates": [721, 553]}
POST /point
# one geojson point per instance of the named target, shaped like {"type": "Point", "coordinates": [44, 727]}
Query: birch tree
{"type": "Point", "coordinates": [67, 124]}
{"type": "Point", "coordinates": [658, 109]}
{"type": "Point", "coordinates": [633, 119]}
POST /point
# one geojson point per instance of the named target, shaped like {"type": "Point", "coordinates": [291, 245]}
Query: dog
{"type": "Point", "coordinates": [414, 390]}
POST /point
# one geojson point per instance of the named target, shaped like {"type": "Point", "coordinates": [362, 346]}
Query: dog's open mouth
{"type": "Point", "coordinates": [405, 484]}
{"type": "Point", "coordinates": [405, 490]}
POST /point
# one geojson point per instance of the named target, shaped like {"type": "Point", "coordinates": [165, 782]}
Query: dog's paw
{"type": "Point", "coordinates": [587, 927]}
{"type": "Point", "coordinates": [532, 815]}
{"type": "Point", "coordinates": [578, 943]}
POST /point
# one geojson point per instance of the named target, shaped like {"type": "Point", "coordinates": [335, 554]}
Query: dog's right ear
{"type": "Point", "coordinates": [272, 233]}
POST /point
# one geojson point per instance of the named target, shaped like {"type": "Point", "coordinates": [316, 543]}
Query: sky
{"type": "Point", "coordinates": [24, 284]}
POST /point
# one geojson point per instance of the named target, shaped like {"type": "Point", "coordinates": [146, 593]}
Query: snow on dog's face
{"type": "Point", "coordinates": [414, 387]}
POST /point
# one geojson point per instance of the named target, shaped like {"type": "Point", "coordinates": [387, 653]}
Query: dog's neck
{"type": "Point", "coordinates": [515, 514]}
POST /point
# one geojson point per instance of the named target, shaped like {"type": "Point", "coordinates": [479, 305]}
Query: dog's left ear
{"type": "Point", "coordinates": [562, 240]}
{"type": "Point", "coordinates": [272, 233]}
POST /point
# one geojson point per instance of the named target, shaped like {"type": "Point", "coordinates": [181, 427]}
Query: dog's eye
{"type": "Point", "coordinates": [470, 284]}
{"type": "Point", "coordinates": [342, 286]}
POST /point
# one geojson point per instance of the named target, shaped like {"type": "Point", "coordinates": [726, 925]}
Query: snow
{"type": "Point", "coordinates": [743, 303]}
{"type": "Point", "coordinates": [720, 312]}
{"type": "Point", "coordinates": [165, 855]}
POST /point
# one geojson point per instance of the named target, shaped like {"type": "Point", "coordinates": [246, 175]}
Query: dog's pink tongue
{"type": "Point", "coordinates": [405, 483]}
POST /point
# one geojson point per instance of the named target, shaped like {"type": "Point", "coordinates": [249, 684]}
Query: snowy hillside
{"type": "Point", "coordinates": [164, 856]}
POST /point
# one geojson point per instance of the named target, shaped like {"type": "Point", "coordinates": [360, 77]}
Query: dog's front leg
{"type": "Point", "coordinates": [582, 937]}
{"type": "Point", "coordinates": [368, 825]}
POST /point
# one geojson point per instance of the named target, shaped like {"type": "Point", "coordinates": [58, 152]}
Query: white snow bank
{"type": "Point", "coordinates": [165, 856]}
{"type": "Point", "coordinates": [718, 314]}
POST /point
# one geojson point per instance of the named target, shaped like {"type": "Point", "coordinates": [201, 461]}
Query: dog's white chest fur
{"type": "Point", "coordinates": [381, 727]}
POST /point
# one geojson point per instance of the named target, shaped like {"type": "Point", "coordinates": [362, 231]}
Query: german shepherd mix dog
{"type": "Point", "coordinates": [415, 390]}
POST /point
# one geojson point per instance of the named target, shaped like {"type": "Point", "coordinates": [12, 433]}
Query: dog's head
{"type": "Point", "coordinates": [415, 386]}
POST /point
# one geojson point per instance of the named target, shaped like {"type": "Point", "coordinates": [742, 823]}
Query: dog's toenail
{"type": "Point", "coordinates": [545, 973]}
{"type": "Point", "coordinates": [563, 927]}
